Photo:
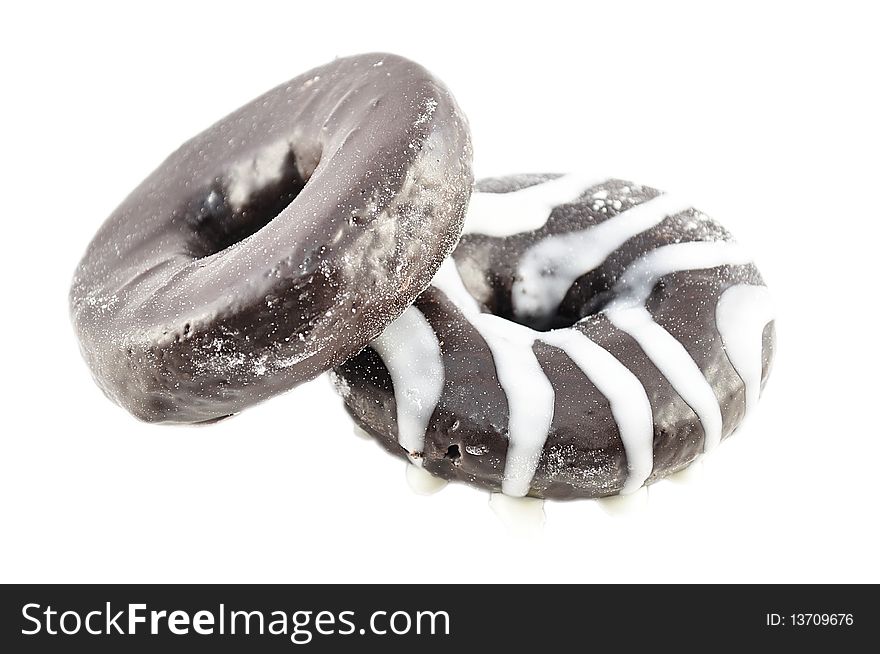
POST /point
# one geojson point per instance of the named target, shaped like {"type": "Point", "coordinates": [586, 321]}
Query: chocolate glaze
{"type": "Point", "coordinates": [275, 244]}
{"type": "Point", "coordinates": [583, 455]}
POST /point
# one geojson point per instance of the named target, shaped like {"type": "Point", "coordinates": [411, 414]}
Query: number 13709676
{"type": "Point", "coordinates": [809, 620]}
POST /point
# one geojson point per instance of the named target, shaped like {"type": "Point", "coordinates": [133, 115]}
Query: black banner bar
{"type": "Point", "coordinates": [319, 618]}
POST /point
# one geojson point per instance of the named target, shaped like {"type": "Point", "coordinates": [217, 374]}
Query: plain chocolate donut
{"type": "Point", "coordinates": [587, 337]}
{"type": "Point", "coordinates": [277, 243]}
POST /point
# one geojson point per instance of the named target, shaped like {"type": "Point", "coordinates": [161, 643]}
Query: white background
{"type": "Point", "coordinates": [766, 114]}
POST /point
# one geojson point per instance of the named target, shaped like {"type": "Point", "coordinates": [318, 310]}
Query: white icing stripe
{"type": "Point", "coordinates": [525, 210]}
{"type": "Point", "coordinates": [629, 401]}
{"type": "Point", "coordinates": [548, 269]}
{"type": "Point", "coordinates": [411, 353]}
{"type": "Point", "coordinates": [639, 279]}
{"type": "Point", "coordinates": [627, 312]}
{"type": "Point", "coordinates": [530, 396]}
{"type": "Point", "coordinates": [448, 280]}
{"type": "Point", "coordinates": [674, 362]}
{"type": "Point", "coordinates": [741, 315]}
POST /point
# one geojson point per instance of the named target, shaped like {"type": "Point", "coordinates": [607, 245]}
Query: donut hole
{"type": "Point", "coordinates": [546, 323]}
{"type": "Point", "coordinates": [586, 297]}
{"type": "Point", "coordinates": [577, 305]}
{"type": "Point", "coordinates": [581, 301]}
{"type": "Point", "coordinates": [493, 290]}
{"type": "Point", "coordinates": [241, 203]}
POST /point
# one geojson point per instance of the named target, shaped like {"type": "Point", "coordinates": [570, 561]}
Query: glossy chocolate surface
{"type": "Point", "coordinates": [277, 243]}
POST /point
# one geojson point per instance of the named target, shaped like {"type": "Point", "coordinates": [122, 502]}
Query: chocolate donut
{"type": "Point", "coordinates": [277, 243]}
{"type": "Point", "coordinates": [587, 337]}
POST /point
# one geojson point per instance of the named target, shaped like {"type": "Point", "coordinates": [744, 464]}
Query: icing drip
{"type": "Point", "coordinates": [620, 506]}
{"type": "Point", "coordinates": [673, 360]}
{"type": "Point", "coordinates": [411, 352]}
{"type": "Point", "coordinates": [360, 432]}
{"type": "Point", "coordinates": [741, 314]}
{"type": "Point", "coordinates": [423, 482]}
{"type": "Point", "coordinates": [548, 269]}
{"type": "Point", "coordinates": [523, 516]}
{"type": "Point", "coordinates": [505, 214]}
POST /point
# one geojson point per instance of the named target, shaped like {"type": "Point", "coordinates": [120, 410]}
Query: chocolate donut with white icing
{"type": "Point", "coordinates": [276, 243]}
{"type": "Point", "coordinates": [587, 337]}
